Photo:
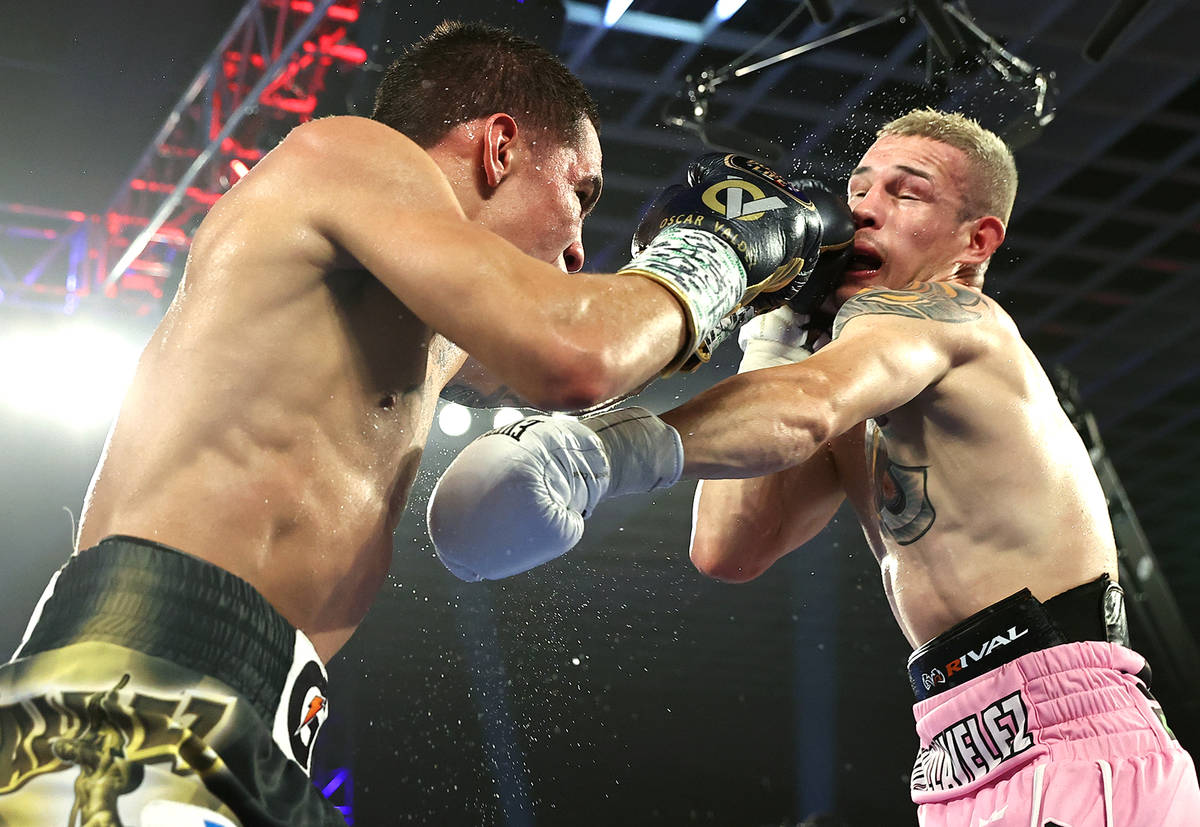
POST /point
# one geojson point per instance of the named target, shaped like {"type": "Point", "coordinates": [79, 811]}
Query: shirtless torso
{"type": "Point", "coordinates": [278, 414]}
{"type": "Point", "coordinates": [935, 420]}
{"type": "Point", "coordinates": [277, 418]}
{"type": "Point", "coordinates": [958, 512]}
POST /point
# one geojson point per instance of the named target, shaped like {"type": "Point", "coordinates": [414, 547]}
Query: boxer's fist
{"type": "Point", "coordinates": [518, 496]}
{"type": "Point", "coordinates": [736, 235]}
{"type": "Point", "coordinates": [771, 226]}
{"type": "Point", "coordinates": [837, 245]}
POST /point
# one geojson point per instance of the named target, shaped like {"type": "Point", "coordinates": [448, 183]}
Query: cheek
{"type": "Point", "coordinates": [927, 231]}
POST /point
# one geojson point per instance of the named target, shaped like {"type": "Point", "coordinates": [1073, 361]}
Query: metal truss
{"type": "Point", "coordinates": [263, 78]}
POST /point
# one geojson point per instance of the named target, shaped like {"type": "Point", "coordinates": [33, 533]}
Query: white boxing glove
{"type": "Point", "coordinates": [781, 337]}
{"type": "Point", "coordinates": [517, 497]}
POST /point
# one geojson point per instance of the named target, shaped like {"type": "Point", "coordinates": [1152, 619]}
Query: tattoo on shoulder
{"type": "Point", "coordinates": [936, 301]}
{"type": "Point", "coordinates": [498, 397]}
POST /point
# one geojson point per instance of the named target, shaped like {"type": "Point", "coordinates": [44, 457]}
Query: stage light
{"type": "Point", "coordinates": [726, 9]}
{"type": "Point", "coordinates": [75, 374]}
{"type": "Point", "coordinates": [454, 419]}
{"type": "Point", "coordinates": [614, 10]}
{"type": "Point", "coordinates": [506, 416]}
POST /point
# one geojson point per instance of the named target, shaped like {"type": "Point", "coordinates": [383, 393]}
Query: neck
{"type": "Point", "coordinates": [969, 277]}
{"type": "Point", "coordinates": [462, 176]}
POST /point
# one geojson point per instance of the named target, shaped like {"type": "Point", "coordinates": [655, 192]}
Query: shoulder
{"type": "Point", "coordinates": [334, 144]}
{"type": "Point", "coordinates": [341, 133]}
{"type": "Point", "coordinates": [348, 169]}
{"type": "Point", "coordinates": [940, 302]}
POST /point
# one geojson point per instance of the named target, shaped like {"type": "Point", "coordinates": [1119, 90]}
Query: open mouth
{"type": "Point", "coordinates": [863, 261]}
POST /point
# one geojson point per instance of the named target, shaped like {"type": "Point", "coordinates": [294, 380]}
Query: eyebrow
{"type": "Point", "coordinates": [902, 167]}
{"type": "Point", "coordinates": [597, 182]}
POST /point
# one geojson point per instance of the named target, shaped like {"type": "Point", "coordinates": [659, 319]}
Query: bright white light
{"type": "Point", "coordinates": [74, 374]}
{"type": "Point", "coordinates": [726, 9]}
{"type": "Point", "coordinates": [506, 416]}
{"type": "Point", "coordinates": [616, 8]}
{"type": "Point", "coordinates": [454, 419]}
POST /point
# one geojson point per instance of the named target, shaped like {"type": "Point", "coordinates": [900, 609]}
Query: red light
{"type": "Point", "coordinates": [350, 54]}
{"type": "Point", "coordinates": [239, 168]}
{"type": "Point", "coordinates": [335, 12]}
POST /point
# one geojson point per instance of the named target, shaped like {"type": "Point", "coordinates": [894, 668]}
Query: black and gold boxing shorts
{"type": "Point", "coordinates": [153, 689]}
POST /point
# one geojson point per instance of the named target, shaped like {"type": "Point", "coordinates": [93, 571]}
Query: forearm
{"type": "Point", "coordinates": [616, 336]}
{"type": "Point", "coordinates": [752, 424]}
{"type": "Point", "coordinates": [637, 326]}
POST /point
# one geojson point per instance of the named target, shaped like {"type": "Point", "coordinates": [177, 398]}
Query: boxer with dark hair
{"type": "Point", "coordinates": [425, 93]}
{"type": "Point", "coordinates": [927, 411]}
{"type": "Point", "coordinates": [240, 520]}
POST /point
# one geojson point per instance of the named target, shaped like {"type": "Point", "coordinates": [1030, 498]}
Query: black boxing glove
{"type": "Point", "coordinates": [736, 236]}
{"type": "Point", "coordinates": [837, 245]}
{"type": "Point", "coordinates": [822, 271]}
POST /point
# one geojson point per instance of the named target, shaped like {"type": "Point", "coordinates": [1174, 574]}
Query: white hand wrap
{"type": "Point", "coordinates": [517, 497]}
{"type": "Point", "coordinates": [701, 270]}
{"type": "Point", "coordinates": [781, 337]}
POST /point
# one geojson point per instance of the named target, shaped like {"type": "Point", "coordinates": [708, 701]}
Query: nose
{"type": "Point", "coordinates": [866, 210]}
{"type": "Point", "coordinates": [572, 257]}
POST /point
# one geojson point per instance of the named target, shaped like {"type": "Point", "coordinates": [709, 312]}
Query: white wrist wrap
{"type": "Point", "coordinates": [772, 339]}
{"type": "Point", "coordinates": [644, 453]}
{"type": "Point", "coordinates": [701, 270]}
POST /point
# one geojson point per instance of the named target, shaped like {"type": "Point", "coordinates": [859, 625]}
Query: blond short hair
{"type": "Point", "coordinates": [991, 171]}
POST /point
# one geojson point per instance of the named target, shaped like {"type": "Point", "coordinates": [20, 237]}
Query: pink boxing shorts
{"type": "Point", "coordinates": [1067, 736]}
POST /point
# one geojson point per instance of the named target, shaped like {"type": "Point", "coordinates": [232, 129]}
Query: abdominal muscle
{"type": "Point", "coordinates": [285, 459]}
{"type": "Point", "coordinates": [1009, 515]}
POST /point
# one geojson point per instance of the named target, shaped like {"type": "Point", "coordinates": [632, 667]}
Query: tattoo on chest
{"type": "Point", "coordinates": [938, 301]}
{"type": "Point", "coordinates": [901, 492]}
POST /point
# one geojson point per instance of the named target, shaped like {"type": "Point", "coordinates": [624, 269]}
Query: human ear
{"type": "Point", "coordinates": [986, 235]}
{"type": "Point", "coordinates": [499, 135]}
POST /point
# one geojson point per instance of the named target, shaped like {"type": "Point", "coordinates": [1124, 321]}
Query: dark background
{"type": "Point", "coordinates": [618, 686]}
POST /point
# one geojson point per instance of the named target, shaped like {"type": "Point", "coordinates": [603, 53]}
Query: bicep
{"type": "Point", "coordinates": [383, 202]}
{"type": "Point", "coordinates": [891, 345]}
{"type": "Point", "coordinates": [877, 365]}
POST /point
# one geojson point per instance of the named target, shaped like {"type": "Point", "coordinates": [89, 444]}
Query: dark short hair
{"type": "Point", "coordinates": [463, 71]}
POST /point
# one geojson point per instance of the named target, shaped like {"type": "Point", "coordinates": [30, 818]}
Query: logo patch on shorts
{"type": "Point", "coordinates": [935, 677]}
{"type": "Point", "coordinates": [308, 707]}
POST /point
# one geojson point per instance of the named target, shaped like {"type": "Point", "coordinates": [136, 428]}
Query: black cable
{"type": "Point", "coordinates": [1111, 27]}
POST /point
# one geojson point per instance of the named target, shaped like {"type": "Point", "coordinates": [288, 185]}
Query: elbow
{"type": "Point", "coordinates": [576, 379]}
{"type": "Point", "coordinates": [714, 560]}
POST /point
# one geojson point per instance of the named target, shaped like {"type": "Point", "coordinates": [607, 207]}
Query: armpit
{"type": "Point", "coordinates": [474, 386]}
{"type": "Point", "coordinates": [936, 301]}
{"type": "Point", "coordinates": [498, 397]}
